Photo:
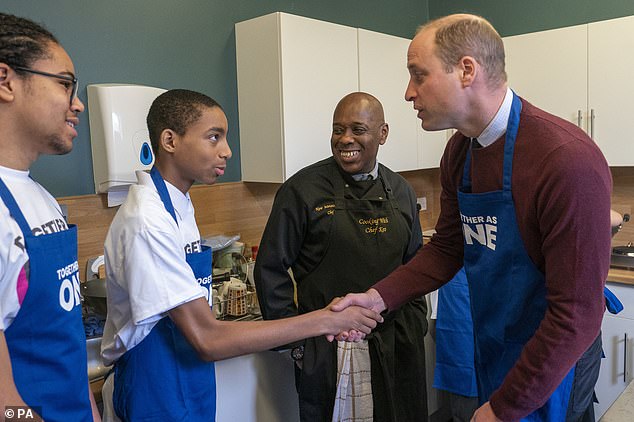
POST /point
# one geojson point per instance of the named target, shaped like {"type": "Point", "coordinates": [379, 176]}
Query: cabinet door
{"type": "Point", "coordinates": [291, 72]}
{"type": "Point", "coordinates": [617, 366]}
{"type": "Point", "coordinates": [549, 70]}
{"type": "Point", "coordinates": [431, 146]}
{"type": "Point", "coordinates": [319, 66]}
{"type": "Point", "coordinates": [383, 73]}
{"type": "Point", "coordinates": [259, 99]}
{"type": "Point", "coordinates": [610, 90]}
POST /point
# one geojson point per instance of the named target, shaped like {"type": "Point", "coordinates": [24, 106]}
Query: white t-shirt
{"type": "Point", "coordinates": [146, 270]}
{"type": "Point", "coordinates": [43, 215]}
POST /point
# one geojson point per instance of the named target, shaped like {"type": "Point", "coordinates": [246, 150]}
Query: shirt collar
{"type": "Point", "coordinates": [180, 201]}
{"type": "Point", "coordinates": [498, 125]}
{"type": "Point", "coordinates": [374, 174]}
{"type": "Point", "coordinates": [19, 174]}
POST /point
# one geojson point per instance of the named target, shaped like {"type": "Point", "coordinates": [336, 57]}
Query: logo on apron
{"type": "Point", "coordinates": [482, 229]}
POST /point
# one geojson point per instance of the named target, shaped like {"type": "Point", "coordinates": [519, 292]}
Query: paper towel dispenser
{"type": "Point", "coordinates": [119, 137]}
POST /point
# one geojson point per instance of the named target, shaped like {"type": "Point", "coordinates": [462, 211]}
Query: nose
{"type": "Point", "coordinates": [226, 151]}
{"type": "Point", "coordinates": [410, 92]}
{"type": "Point", "coordinates": [77, 106]}
{"type": "Point", "coordinates": [347, 137]}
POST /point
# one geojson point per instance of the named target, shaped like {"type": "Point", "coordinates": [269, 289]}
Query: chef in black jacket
{"type": "Point", "coordinates": [340, 225]}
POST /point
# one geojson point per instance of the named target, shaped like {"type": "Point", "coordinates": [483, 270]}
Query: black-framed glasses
{"type": "Point", "coordinates": [71, 79]}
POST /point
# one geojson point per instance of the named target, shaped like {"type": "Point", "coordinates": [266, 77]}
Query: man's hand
{"type": "Point", "coordinates": [370, 300]}
{"type": "Point", "coordinates": [353, 318]}
{"type": "Point", "coordinates": [484, 414]}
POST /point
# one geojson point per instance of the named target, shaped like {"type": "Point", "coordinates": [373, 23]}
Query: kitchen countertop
{"type": "Point", "coordinates": [615, 274]}
{"type": "Point", "coordinates": [622, 410]}
{"type": "Point", "coordinates": [621, 275]}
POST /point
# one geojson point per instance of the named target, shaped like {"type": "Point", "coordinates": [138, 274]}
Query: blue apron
{"type": "Point", "coordinates": [455, 371]}
{"type": "Point", "coordinates": [46, 339]}
{"type": "Point", "coordinates": [162, 378]}
{"type": "Point", "coordinates": [508, 293]}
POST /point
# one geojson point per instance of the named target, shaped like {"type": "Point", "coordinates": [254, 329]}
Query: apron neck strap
{"type": "Point", "coordinates": [509, 148]}
{"type": "Point", "coordinates": [161, 187]}
{"type": "Point", "coordinates": [14, 209]}
{"type": "Point", "coordinates": [509, 144]}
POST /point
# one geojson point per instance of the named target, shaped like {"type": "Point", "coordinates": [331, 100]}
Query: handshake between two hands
{"type": "Point", "coordinates": [355, 315]}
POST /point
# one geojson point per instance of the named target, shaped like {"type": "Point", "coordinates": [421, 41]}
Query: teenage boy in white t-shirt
{"type": "Point", "coordinates": [159, 279]}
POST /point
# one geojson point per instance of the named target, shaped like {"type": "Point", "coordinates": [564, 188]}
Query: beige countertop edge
{"type": "Point", "coordinates": [621, 275]}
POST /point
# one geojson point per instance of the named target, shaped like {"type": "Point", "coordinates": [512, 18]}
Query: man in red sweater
{"type": "Point", "coordinates": [526, 209]}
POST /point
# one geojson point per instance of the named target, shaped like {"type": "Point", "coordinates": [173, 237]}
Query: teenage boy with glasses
{"type": "Point", "coordinates": [42, 341]}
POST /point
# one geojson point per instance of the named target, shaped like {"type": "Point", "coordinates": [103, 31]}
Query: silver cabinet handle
{"type": "Point", "coordinates": [592, 123]}
{"type": "Point", "coordinates": [579, 118]}
{"type": "Point", "coordinates": [625, 359]}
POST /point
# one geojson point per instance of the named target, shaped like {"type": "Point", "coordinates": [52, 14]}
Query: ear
{"type": "Point", "coordinates": [385, 130]}
{"type": "Point", "coordinates": [168, 141]}
{"type": "Point", "coordinates": [468, 68]}
{"type": "Point", "coordinates": [7, 83]}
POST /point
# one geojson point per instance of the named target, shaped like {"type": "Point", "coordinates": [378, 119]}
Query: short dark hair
{"type": "Point", "coordinates": [462, 35]}
{"type": "Point", "coordinates": [177, 110]}
{"type": "Point", "coordinates": [22, 41]}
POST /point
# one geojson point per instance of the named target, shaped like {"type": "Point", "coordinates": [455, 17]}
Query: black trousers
{"type": "Point", "coordinates": [581, 404]}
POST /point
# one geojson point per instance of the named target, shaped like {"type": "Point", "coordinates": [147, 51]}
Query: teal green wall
{"type": "Point", "coordinates": [176, 44]}
{"type": "Point", "coordinates": [519, 17]}
{"type": "Point", "coordinates": [191, 44]}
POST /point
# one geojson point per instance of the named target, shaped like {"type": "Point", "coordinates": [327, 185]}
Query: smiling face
{"type": "Point", "coordinates": [201, 153]}
{"type": "Point", "coordinates": [358, 128]}
{"type": "Point", "coordinates": [434, 91]}
{"type": "Point", "coordinates": [47, 120]}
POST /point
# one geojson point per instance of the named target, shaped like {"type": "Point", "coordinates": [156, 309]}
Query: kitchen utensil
{"type": "Point", "coordinates": [218, 305]}
{"type": "Point", "coordinates": [627, 250]}
{"type": "Point", "coordinates": [234, 294]}
{"type": "Point", "coordinates": [96, 367]}
{"type": "Point", "coordinates": [93, 293]}
{"type": "Point", "coordinates": [237, 300]}
{"type": "Point", "coordinates": [615, 218]}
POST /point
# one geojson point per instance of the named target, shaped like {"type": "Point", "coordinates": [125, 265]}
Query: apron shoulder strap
{"type": "Point", "coordinates": [162, 191]}
{"type": "Point", "coordinates": [14, 209]}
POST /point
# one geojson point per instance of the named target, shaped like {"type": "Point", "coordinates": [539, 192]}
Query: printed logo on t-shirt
{"type": "Point", "coordinates": [482, 229]}
{"type": "Point", "coordinates": [53, 226]}
{"type": "Point", "coordinates": [19, 242]}
{"type": "Point", "coordinates": [193, 247]}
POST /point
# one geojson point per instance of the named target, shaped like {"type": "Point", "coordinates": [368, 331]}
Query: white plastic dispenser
{"type": "Point", "coordinates": [119, 137]}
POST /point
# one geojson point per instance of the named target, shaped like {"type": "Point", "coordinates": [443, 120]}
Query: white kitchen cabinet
{"type": "Point", "coordinates": [292, 71]}
{"type": "Point", "coordinates": [610, 88]}
{"type": "Point", "coordinates": [618, 345]}
{"type": "Point", "coordinates": [580, 73]}
{"type": "Point", "coordinates": [549, 70]}
{"type": "Point", "coordinates": [383, 73]}
{"type": "Point", "coordinates": [258, 387]}
{"type": "Point", "coordinates": [431, 146]}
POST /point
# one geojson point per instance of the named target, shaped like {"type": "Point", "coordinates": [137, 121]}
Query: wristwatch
{"type": "Point", "coordinates": [297, 353]}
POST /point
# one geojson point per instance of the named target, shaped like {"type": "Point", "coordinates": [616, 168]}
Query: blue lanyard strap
{"type": "Point", "coordinates": [14, 209]}
{"type": "Point", "coordinates": [162, 191]}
